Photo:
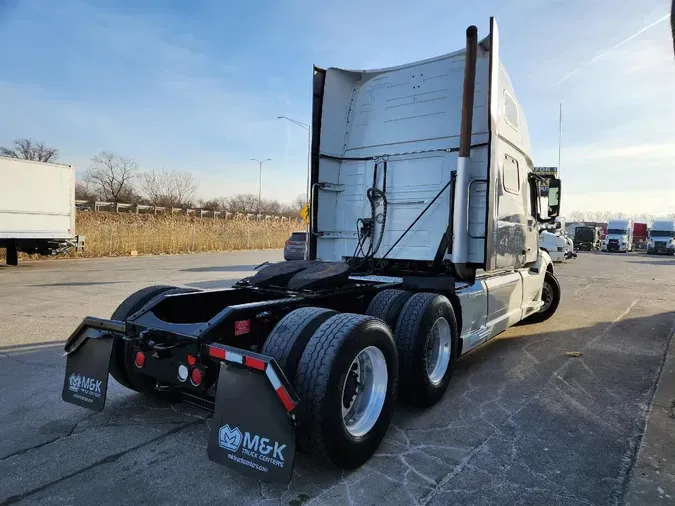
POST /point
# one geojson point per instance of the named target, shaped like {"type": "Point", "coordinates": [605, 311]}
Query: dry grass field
{"type": "Point", "coordinates": [110, 234]}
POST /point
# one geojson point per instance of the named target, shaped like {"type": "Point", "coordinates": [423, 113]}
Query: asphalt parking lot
{"type": "Point", "coordinates": [522, 422]}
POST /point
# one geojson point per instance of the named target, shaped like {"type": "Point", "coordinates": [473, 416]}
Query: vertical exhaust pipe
{"type": "Point", "coordinates": [460, 217]}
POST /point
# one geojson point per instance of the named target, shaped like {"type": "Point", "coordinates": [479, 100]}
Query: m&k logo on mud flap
{"type": "Point", "coordinates": [230, 439]}
{"type": "Point", "coordinates": [84, 385]}
{"type": "Point", "coordinates": [251, 445]}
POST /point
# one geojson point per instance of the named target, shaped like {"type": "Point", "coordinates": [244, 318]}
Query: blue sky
{"type": "Point", "coordinates": [198, 85]}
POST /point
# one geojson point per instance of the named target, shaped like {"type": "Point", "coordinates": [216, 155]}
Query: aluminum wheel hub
{"type": "Point", "coordinates": [364, 391]}
{"type": "Point", "coordinates": [439, 350]}
{"type": "Point", "coordinates": [546, 296]}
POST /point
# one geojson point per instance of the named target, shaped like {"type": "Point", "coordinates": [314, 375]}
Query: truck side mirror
{"type": "Point", "coordinates": [553, 198]}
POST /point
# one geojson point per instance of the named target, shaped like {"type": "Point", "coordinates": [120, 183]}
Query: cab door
{"type": "Point", "coordinates": [531, 196]}
{"type": "Point", "coordinates": [533, 278]}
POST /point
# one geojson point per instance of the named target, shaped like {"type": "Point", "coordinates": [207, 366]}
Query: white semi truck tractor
{"type": "Point", "coordinates": [619, 236]}
{"type": "Point", "coordinates": [661, 237]}
{"type": "Point", "coordinates": [424, 244]}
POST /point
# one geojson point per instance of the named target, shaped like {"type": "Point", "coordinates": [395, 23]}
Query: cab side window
{"type": "Point", "coordinates": [511, 175]}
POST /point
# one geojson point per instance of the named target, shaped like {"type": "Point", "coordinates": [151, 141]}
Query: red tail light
{"type": "Point", "coordinates": [139, 360]}
{"type": "Point", "coordinates": [196, 377]}
{"type": "Point", "coordinates": [242, 327]}
{"type": "Point", "coordinates": [191, 360]}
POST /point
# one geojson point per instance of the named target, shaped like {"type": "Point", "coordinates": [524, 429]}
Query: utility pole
{"type": "Point", "coordinates": [260, 162]}
{"type": "Point", "coordinates": [559, 138]}
{"type": "Point", "coordinates": [309, 148]}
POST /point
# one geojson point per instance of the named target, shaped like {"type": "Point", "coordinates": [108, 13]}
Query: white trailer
{"type": "Point", "coordinates": [37, 208]}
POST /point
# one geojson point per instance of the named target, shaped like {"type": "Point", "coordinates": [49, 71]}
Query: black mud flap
{"type": "Point", "coordinates": [251, 432]}
{"type": "Point", "coordinates": [88, 354]}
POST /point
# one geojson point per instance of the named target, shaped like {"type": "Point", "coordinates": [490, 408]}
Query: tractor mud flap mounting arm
{"type": "Point", "coordinates": [88, 352]}
{"type": "Point", "coordinates": [253, 429]}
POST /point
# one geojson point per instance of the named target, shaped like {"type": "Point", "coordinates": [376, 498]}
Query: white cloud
{"type": "Point", "coordinates": [655, 202]}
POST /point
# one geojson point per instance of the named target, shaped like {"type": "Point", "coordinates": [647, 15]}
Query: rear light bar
{"type": "Point", "coordinates": [260, 363]}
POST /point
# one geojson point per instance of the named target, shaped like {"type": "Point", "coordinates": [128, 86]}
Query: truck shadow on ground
{"type": "Point", "coordinates": [654, 261]}
{"type": "Point", "coordinates": [222, 268]}
{"type": "Point", "coordinates": [82, 283]}
{"type": "Point", "coordinates": [515, 404]}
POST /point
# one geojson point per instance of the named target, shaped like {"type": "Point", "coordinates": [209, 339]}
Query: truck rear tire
{"type": "Point", "coordinates": [121, 357]}
{"type": "Point", "coordinates": [387, 305]}
{"type": "Point", "coordinates": [551, 295]}
{"type": "Point", "coordinates": [289, 337]}
{"type": "Point", "coordinates": [347, 381]}
{"type": "Point", "coordinates": [427, 340]}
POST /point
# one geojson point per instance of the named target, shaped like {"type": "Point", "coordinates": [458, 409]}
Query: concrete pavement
{"type": "Point", "coordinates": [522, 422]}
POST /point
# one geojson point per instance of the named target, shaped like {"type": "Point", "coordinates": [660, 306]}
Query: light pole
{"type": "Point", "coordinates": [260, 179]}
{"type": "Point", "coordinates": [309, 170]}
{"type": "Point", "coordinates": [309, 148]}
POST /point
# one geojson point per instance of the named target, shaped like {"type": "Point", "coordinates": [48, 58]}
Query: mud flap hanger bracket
{"type": "Point", "coordinates": [80, 335]}
{"type": "Point", "coordinates": [263, 363]}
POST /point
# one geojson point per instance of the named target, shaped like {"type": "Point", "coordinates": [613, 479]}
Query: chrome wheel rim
{"type": "Point", "coordinates": [364, 391]}
{"type": "Point", "coordinates": [546, 296]}
{"type": "Point", "coordinates": [439, 350]}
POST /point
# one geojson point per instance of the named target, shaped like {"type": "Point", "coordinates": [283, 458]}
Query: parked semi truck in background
{"type": "Point", "coordinates": [619, 236]}
{"type": "Point", "coordinates": [639, 235]}
{"type": "Point", "coordinates": [662, 237]}
{"type": "Point", "coordinates": [37, 208]}
{"type": "Point", "coordinates": [423, 245]}
{"type": "Point", "coordinates": [586, 238]}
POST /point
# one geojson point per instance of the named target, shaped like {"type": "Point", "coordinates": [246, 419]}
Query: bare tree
{"type": "Point", "coordinates": [605, 216]}
{"type": "Point", "coordinates": [243, 203]}
{"type": "Point", "coordinates": [169, 188]}
{"type": "Point", "coordinates": [299, 202]}
{"type": "Point", "coordinates": [27, 149]}
{"type": "Point", "coordinates": [84, 192]}
{"type": "Point", "coordinates": [217, 204]}
{"type": "Point", "coordinates": [113, 176]}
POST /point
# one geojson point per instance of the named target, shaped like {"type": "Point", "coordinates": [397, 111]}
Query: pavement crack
{"type": "Point", "coordinates": [107, 460]}
{"type": "Point", "coordinates": [48, 317]}
{"type": "Point", "coordinates": [26, 450]}
{"type": "Point", "coordinates": [636, 439]}
{"type": "Point", "coordinates": [347, 490]}
{"type": "Point", "coordinates": [46, 443]}
{"type": "Point", "coordinates": [553, 377]}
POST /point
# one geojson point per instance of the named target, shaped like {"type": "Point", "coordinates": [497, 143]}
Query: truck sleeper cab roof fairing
{"type": "Point", "coordinates": [397, 129]}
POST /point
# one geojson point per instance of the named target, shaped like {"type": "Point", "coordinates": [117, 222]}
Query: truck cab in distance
{"type": "Point", "coordinates": [556, 245]}
{"type": "Point", "coordinates": [661, 238]}
{"type": "Point", "coordinates": [586, 238]}
{"type": "Point", "coordinates": [619, 236]}
{"type": "Point", "coordinates": [423, 245]}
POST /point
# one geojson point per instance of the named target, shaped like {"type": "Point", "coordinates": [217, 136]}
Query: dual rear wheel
{"type": "Point", "coordinates": [344, 368]}
{"type": "Point", "coordinates": [349, 369]}
{"type": "Point", "coordinates": [426, 335]}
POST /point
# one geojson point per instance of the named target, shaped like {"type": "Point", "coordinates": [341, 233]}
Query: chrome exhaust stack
{"type": "Point", "coordinates": [460, 215]}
